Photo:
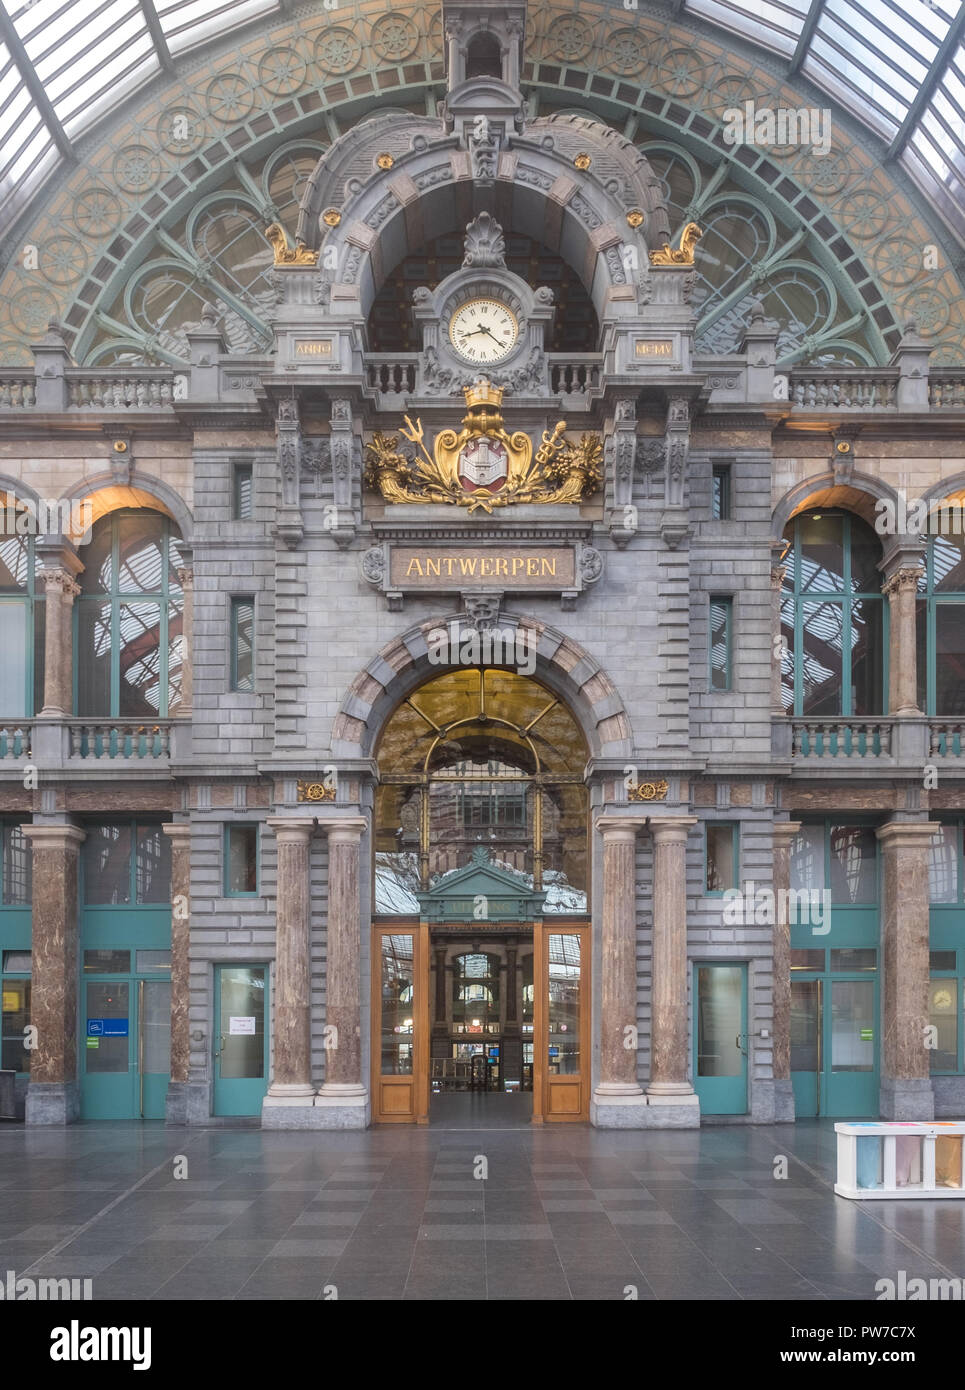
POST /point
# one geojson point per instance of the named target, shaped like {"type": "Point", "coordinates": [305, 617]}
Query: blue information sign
{"type": "Point", "coordinates": [107, 1027]}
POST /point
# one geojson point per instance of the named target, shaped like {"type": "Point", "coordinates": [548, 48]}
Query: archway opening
{"type": "Point", "coordinates": [483, 57]}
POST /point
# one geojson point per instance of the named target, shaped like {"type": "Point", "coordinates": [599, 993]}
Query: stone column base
{"type": "Point", "coordinates": [176, 1103]}
{"type": "Point", "coordinates": [784, 1112]}
{"type": "Point", "coordinates": [342, 1111]}
{"type": "Point", "coordinates": [906, 1099]}
{"type": "Point", "coordinates": [52, 1103]}
{"type": "Point", "coordinates": [644, 1112]}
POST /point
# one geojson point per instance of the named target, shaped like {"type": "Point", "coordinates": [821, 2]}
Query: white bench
{"type": "Point", "coordinates": [896, 1160]}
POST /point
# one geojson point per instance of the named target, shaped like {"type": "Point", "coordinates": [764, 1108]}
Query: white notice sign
{"type": "Point", "coordinates": [240, 1024]}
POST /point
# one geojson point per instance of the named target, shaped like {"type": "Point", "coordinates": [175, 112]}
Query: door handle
{"type": "Point", "coordinates": [220, 1046]}
{"type": "Point", "coordinates": [740, 1045]}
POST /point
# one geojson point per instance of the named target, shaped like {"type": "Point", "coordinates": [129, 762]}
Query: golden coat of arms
{"type": "Point", "coordinates": [483, 465]}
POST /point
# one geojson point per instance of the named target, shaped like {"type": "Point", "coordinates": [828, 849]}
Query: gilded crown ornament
{"type": "Point", "coordinates": [665, 255]}
{"type": "Point", "coordinates": [285, 254]}
{"type": "Point", "coordinates": [483, 466]}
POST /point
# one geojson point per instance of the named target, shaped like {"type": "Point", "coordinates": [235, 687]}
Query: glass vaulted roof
{"type": "Point", "coordinates": [897, 65]}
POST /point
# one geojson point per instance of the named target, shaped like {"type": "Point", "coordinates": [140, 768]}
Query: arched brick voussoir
{"type": "Point", "coordinates": [562, 665]}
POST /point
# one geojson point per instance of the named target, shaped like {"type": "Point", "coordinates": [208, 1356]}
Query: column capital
{"type": "Point", "coordinates": [670, 828]}
{"type": "Point", "coordinates": [906, 834]}
{"type": "Point", "coordinates": [59, 579]}
{"type": "Point", "coordinates": [54, 836]}
{"type": "Point", "coordinates": [903, 580]}
{"type": "Point", "coordinates": [784, 831]}
{"type": "Point", "coordinates": [178, 830]}
{"type": "Point", "coordinates": [346, 830]}
{"type": "Point", "coordinates": [289, 830]}
{"type": "Point", "coordinates": [620, 827]}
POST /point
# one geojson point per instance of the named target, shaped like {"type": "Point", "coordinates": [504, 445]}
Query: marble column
{"type": "Point", "coordinates": [186, 577]}
{"type": "Point", "coordinates": [53, 1095]}
{"type": "Point", "coordinates": [61, 590]}
{"type": "Point", "coordinates": [901, 589]}
{"type": "Point", "coordinates": [784, 833]}
{"type": "Point", "coordinates": [179, 833]}
{"type": "Point", "coordinates": [344, 1097]}
{"type": "Point", "coordinates": [906, 1089]}
{"type": "Point", "coordinates": [618, 1099]}
{"type": "Point", "coordinates": [670, 1085]}
{"type": "Point", "coordinates": [291, 1088]}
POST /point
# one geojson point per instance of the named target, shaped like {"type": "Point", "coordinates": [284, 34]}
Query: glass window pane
{"type": "Point", "coordinates": [241, 867]}
{"type": "Point", "coordinates": [943, 1019]}
{"type": "Point", "coordinates": [867, 656]}
{"type": "Point", "coordinates": [947, 560]}
{"type": "Point", "coordinates": [14, 559]}
{"type": "Point", "coordinates": [721, 845]}
{"type": "Point", "coordinates": [822, 554]}
{"type": "Point", "coordinates": [39, 640]}
{"type": "Point", "coordinates": [141, 552]}
{"type": "Point", "coordinates": [941, 960]}
{"type": "Point", "coordinates": [564, 1003]}
{"type": "Point", "coordinates": [805, 1024]}
{"type": "Point", "coordinates": [243, 636]}
{"type": "Point", "coordinates": [14, 1019]}
{"type": "Point", "coordinates": [243, 499]}
{"type": "Point", "coordinates": [720, 997]}
{"type": "Point", "coordinates": [152, 962]}
{"type": "Point", "coordinates": [155, 998]}
{"type": "Point", "coordinates": [98, 557]}
{"type": "Point", "coordinates": [865, 554]}
{"type": "Point", "coordinates": [853, 864]}
{"type": "Point", "coordinates": [13, 668]}
{"type": "Point", "coordinates": [106, 857]}
{"type": "Point", "coordinates": [242, 1051]}
{"type": "Point", "coordinates": [822, 641]}
{"type": "Point", "coordinates": [943, 864]}
{"type": "Point", "coordinates": [854, 960]}
{"type": "Point", "coordinates": [153, 867]}
{"type": "Point", "coordinates": [852, 1025]}
{"type": "Point", "coordinates": [720, 496]}
{"type": "Point", "coordinates": [17, 868]}
{"type": "Point", "coordinates": [807, 959]}
{"type": "Point", "coordinates": [950, 658]}
{"type": "Point", "coordinates": [109, 962]}
{"type": "Point", "coordinates": [807, 858]}
{"type": "Point", "coordinates": [139, 660]}
{"type": "Point", "coordinates": [107, 1008]}
{"type": "Point", "coordinates": [93, 658]}
{"type": "Point", "coordinates": [175, 653]}
{"type": "Point", "coordinates": [721, 617]}
{"type": "Point", "coordinates": [398, 1003]}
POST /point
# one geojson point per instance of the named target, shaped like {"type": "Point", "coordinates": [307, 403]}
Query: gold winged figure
{"type": "Point", "coordinates": [665, 255]}
{"type": "Point", "coordinates": [482, 465]}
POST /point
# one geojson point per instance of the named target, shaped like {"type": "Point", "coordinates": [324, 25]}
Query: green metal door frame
{"type": "Point", "coordinates": [721, 1095]}
{"type": "Point", "coordinates": [239, 1095]}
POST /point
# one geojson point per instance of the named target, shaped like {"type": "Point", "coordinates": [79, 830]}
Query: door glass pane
{"type": "Point", "coordinates": [805, 1025]}
{"type": "Point", "coordinates": [822, 640]}
{"type": "Point", "coordinates": [398, 1002]}
{"type": "Point", "coordinates": [14, 1056]}
{"type": "Point", "coordinates": [950, 658]}
{"type": "Point", "coordinates": [719, 1020]}
{"type": "Point", "coordinates": [943, 864]}
{"type": "Point", "coordinates": [108, 1014]}
{"type": "Point", "coordinates": [13, 668]}
{"type": "Point", "coordinates": [943, 1018]}
{"type": "Point", "coordinates": [156, 1027]}
{"type": "Point", "coordinates": [242, 1039]}
{"type": "Point", "coordinates": [564, 1003]}
{"type": "Point", "coordinates": [853, 850]}
{"type": "Point", "coordinates": [852, 1025]}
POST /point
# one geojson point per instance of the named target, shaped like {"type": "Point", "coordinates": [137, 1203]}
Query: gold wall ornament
{"type": "Point", "coordinates": [483, 466]}
{"type": "Point", "coordinates": [285, 254]}
{"type": "Point", "coordinates": [384, 161]}
{"type": "Point", "coordinates": [331, 217]}
{"type": "Point", "coordinates": [315, 791]}
{"type": "Point", "coordinates": [665, 255]}
{"type": "Point", "coordinates": [582, 161]}
{"type": "Point", "coordinates": [648, 791]}
{"type": "Point", "coordinates": [635, 217]}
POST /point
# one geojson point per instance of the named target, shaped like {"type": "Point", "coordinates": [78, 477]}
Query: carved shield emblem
{"type": "Point", "coordinates": [483, 464]}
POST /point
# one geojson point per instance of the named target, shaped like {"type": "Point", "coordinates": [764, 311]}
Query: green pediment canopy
{"type": "Point", "coordinates": [481, 891]}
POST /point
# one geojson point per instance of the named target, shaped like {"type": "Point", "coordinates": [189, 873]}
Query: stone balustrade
{"type": "Point", "coordinates": [573, 374]}
{"type": "Point", "coordinates": [17, 389]}
{"type": "Point", "coordinates": [121, 739]}
{"type": "Point", "coordinates": [851, 389]}
{"type": "Point", "coordinates": [841, 738]}
{"type": "Point", "coordinates": [147, 389]}
{"type": "Point", "coordinates": [394, 374]}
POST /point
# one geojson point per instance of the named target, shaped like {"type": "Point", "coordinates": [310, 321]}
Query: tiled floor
{"type": "Point", "coordinates": [392, 1213]}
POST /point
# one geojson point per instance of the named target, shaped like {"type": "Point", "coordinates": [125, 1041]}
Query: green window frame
{"type": "Point", "coordinates": [731, 856]}
{"type": "Point", "coordinates": [720, 656]}
{"type": "Point", "coordinates": [14, 1013]}
{"type": "Point", "coordinates": [148, 853]}
{"type": "Point", "coordinates": [932, 600]}
{"type": "Point", "coordinates": [252, 831]}
{"type": "Point", "coordinates": [29, 600]}
{"type": "Point", "coordinates": [242, 676]}
{"type": "Point", "coordinates": [119, 599]}
{"type": "Point", "coordinates": [799, 600]}
{"type": "Point", "coordinates": [242, 492]}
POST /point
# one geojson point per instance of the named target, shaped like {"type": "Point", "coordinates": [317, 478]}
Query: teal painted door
{"type": "Point", "coordinates": [125, 1048]}
{"type": "Point", "coordinates": [834, 1047]}
{"type": "Point", "coordinates": [241, 1039]}
{"type": "Point", "coordinates": [720, 1038]}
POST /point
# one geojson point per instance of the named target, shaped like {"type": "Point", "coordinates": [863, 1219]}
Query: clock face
{"type": "Point", "coordinates": [483, 330]}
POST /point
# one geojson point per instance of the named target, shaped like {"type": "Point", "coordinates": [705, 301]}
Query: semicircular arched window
{"type": "Point", "coordinates": [127, 620]}
{"type": "Point", "coordinates": [481, 757]}
{"type": "Point", "coordinates": [833, 618]}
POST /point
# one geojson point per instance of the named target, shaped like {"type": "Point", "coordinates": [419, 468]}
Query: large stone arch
{"type": "Point", "coordinates": [106, 494]}
{"type": "Point", "coordinates": [858, 495]}
{"type": "Point", "coordinates": [402, 665]}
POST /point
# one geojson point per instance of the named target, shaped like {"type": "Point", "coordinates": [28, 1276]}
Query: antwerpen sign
{"type": "Point", "coordinates": [526, 567]}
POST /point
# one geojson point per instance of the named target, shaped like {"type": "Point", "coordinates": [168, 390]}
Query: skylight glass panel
{"type": "Point", "coordinates": [775, 23]}
{"type": "Point", "coordinates": [187, 22]}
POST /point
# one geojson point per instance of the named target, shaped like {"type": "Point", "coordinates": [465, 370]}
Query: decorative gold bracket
{"type": "Point", "coordinates": [285, 254]}
{"type": "Point", "coordinates": [648, 791]}
{"type": "Point", "coordinates": [665, 255]}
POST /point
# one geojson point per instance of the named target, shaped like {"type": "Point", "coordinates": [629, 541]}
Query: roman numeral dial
{"type": "Point", "coordinates": [483, 330]}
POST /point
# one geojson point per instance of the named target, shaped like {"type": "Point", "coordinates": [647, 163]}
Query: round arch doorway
{"type": "Point", "coordinates": [481, 945]}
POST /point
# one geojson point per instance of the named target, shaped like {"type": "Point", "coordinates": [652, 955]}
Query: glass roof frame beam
{"type": "Point", "coordinates": [811, 21]}
{"type": "Point", "coordinates": [153, 23]}
{"type": "Point", "coordinates": [35, 87]}
{"type": "Point", "coordinates": [926, 91]}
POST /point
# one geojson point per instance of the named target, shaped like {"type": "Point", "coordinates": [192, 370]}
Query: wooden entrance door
{"type": "Point", "coordinates": [561, 1076]}
{"type": "Point", "coordinates": [400, 1024]}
